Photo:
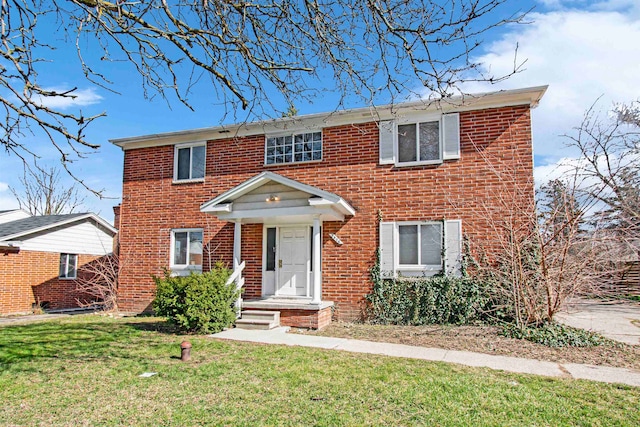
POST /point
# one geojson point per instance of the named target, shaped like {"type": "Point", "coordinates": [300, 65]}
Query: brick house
{"type": "Point", "coordinates": [301, 204]}
{"type": "Point", "coordinates": [40, 256]}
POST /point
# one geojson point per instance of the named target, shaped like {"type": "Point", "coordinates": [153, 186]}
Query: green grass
{"type": "Point", "coordinates": [85, 371]}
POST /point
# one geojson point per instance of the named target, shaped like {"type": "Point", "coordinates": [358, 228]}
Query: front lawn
{"type": "Point", "coordinates": [85, 371]}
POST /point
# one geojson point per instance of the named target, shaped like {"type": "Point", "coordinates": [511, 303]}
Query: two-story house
{"type": "Point", "coordinates": [301, 204]}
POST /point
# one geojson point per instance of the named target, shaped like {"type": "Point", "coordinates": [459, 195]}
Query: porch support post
{"type": "Point", "coordinates": [317, 276]}
{"type": "Point", "coordinates": [236, 245]}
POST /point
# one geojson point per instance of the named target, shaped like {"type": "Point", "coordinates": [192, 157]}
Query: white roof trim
{"type": "Point", "coordinates": [263, 178]}
{"type": "Point", "coordinates": [341, 205]}
{"type": "Point", "coordinates": [309, 212]}
{"type": "Point", "coordinates": [13, 244]}
{"type": "Point", "coordinates": [67, 221]}
{"type": "Point", "coordinates": [226, 207]}
{"type": "Point", "coordinates": [526, 96]}
{"type": "Point", "coordinates": [319, 198]}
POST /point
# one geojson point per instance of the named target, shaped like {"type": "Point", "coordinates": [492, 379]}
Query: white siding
{"type": "Point", "coordinates": [83, 238]}
{"type": "Point", "coordinates": [13, 216]}
{"type": "Point", "coordinates": [256, 199]}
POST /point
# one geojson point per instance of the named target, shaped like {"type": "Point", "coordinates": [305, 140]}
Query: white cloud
{"type": "Point", "coordinates": [78, 98]}
{"type": "Point", "coordinates": [580, 54]}
{"type": "Point", "coordinates": [7, 200]}
{"type": "Point", "coordinates": [545, 173]}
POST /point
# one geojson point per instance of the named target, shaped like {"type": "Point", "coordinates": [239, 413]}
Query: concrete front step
{"type": "Point", "coordinates": [258, 319]}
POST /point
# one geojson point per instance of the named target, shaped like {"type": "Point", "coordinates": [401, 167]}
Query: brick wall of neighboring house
{"type": "Point", "coordinates": [29, 277]}
{"type": "Point", "coordinates": [496, 158]}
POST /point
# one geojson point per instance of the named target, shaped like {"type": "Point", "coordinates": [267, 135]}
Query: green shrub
{"type": "Point", "coordinates": [199, 302]}
{"type": "Point", "coordinates": [428, 300]}
{"type": "Point", "coordinates": [554, 335]}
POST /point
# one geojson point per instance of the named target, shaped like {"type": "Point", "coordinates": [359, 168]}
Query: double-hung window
{"type": "Point", "coordinates": [419, 143]}
{"type": "Point", "coordinates": [417, 248]}
{"type": "Point", "coordinates": [420, 245]}
{"type": "Point", "coordinates": [189, 162]}
{"type": "Point", "coordinates": [68, 266]}
{"type": "Point", "coordinates": [298, 147]}
{"type": "Point", "coordinates": [421, 140]}
{"type": "Point", "coordinates": [186, 249]}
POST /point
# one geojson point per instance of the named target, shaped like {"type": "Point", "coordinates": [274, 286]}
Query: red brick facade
{"type": "Point", "coordinates": [31, 277]}
{"type": "Point", "coordinates": [496, 157]}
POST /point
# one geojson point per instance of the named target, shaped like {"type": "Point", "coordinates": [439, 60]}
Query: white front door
{"type": "Point", "coordinates": [293, 261]}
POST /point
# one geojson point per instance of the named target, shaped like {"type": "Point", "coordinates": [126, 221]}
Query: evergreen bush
{"type": "Point", "coordinates": [201, 303]}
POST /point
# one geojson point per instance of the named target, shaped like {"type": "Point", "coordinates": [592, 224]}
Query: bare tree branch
{"type": "Point", "coordinates": [42, 193]}
{"type": "Point", "coordinates": [98, 279]}
{"type": "Point", "coordinates": [262, 57]}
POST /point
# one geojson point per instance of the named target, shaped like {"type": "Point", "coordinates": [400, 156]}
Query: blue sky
{"type": "Point", "coordinates": [582, 49]}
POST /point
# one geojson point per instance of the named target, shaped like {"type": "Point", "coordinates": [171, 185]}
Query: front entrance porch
{"type": "Point", "coordinates": [291, 214]}
{"type": "Point", "coordinates": [297, 313]}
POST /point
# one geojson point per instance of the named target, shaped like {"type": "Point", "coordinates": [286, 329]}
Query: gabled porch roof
{"type": "Point", "coordinates": [269, 197]}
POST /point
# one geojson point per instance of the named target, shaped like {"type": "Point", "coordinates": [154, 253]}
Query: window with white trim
{"type": "Point", "coordinates": [68, 266]}
{"type": "Point", "coordinates": [186, 249]}
{"type": "Point", "coordinates": [189, 162]}
{"type": "Point", "coordinates": [416, 248]}
{"type": "Point", "coordinates": [299, 147]}
{"type": "Point", "coordinates": [421, 141]}
{"type": "Point", "coordinates": [420, 245]}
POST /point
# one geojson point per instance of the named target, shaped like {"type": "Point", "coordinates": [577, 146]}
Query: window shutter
{"type": "Point", "coordinates": [453, 247]}
{"type": "Point", "coordinates": [386, 142]}
{"type": "Point", "coordinates": [387, 230]}
{"type": "Point", "coordinates": [451, 136]}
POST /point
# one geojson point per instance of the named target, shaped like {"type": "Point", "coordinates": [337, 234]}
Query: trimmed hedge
{"type": "Point", "coordinates": [201, 303]}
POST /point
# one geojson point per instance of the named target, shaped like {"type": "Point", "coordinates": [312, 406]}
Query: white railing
{"type": "Point", "coordinates": [237, 277]}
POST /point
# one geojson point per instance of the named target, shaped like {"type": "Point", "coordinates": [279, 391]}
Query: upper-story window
{"type": "Point", "coordinates": [189, 162]}
{"type": "Point", "coordinates": [300, 147]}
{"type": "Point", "coordinates": [419, 142]}
{"type": "Point", "coordinates": [423, 140]}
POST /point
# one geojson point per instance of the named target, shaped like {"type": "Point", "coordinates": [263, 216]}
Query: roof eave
{"type": "Point", "coordinates": [525, 96]}
{"type": "Point", "coordinates": [68, 221]}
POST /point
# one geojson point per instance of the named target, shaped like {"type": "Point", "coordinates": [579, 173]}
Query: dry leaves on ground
{"type": "Point", "coordinates": [484, 339]}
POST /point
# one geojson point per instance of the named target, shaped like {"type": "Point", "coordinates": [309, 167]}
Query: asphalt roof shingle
{"type": "Point", "coordinates": [33, 223]}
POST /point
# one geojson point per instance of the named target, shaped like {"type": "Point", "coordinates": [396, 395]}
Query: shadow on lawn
{"type": "Point", "coordinates": [93, 340]}
{"type": "Point", "coordinates": [159, 326]}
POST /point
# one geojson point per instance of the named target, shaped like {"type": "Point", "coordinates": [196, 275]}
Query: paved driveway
{"type": "Point", "coordinates": [617, 320]}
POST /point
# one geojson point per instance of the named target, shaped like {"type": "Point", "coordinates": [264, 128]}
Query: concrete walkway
{"type": "Point", "coordinates": [53, 314]}
{"type": "Point", "coordinates": [503, 363]}
{"type": "Point", "coordinates": [31, 318]}
{"type": "Point", "coordinates": [617, 320]}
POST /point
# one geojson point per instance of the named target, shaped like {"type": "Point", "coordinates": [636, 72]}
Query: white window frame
{"type": "Point", "coordinates": [416, 122]}
{"type": "Point", "coordinates": [66, 276]}
{"type": "Point", "coordinates": [419, 266]}
{"type": "Point", "coordinates": [184, 267]}
{"type": "Point", "coordinates": [293, 147]}
{"type": "Point", "coordinates": [189, 145]}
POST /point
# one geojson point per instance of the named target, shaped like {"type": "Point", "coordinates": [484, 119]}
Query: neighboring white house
{"type": "Point", "coordinates": [40, 255]}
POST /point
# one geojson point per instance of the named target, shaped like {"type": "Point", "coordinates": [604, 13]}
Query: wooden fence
{"type": "Point", "coordinates": [629, 283]}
